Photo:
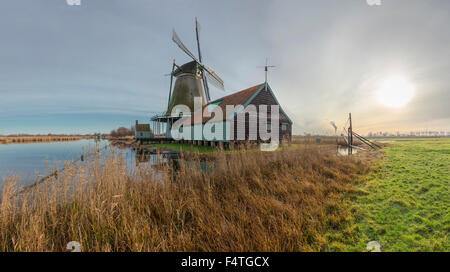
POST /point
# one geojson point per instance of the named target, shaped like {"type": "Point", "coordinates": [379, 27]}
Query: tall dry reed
{"type": "Point", "coordinates": [250, 201]}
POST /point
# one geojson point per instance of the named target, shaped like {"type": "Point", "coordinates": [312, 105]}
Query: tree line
{"type": "Point", "coordinates": [122, 131]}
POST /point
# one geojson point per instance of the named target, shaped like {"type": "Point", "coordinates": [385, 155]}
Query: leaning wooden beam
{"type": "Point", "coordinates": [366, 141]}
{"type": "Point", "coordinates": [369, 140]}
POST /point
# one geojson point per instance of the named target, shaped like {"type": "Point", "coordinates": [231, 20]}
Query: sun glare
{"type": "Point", "coordinates": [395, 92]}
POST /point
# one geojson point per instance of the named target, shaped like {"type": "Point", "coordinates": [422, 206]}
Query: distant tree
{"type": "Point", "coordinates": [122, 132]}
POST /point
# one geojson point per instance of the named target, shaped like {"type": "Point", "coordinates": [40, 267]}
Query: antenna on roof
{"type": "Point", "coordinates": [266, 69]}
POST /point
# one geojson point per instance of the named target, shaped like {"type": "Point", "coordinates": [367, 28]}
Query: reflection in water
{"type": "Point", "coordinates": [172, 158]}
{"type": "Point", "coordinates": [32, 162]}
{"type": "Point", "coordinates": [142, 158]}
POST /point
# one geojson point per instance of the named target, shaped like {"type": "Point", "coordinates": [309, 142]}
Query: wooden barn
{"type": "Point", "coordinates": [142, 132]}
{"type": "Point", "coordinates": [228, 126]}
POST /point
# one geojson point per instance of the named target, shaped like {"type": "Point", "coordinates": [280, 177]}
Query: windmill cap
{"type": "Point", "coordinates": [189, 68]}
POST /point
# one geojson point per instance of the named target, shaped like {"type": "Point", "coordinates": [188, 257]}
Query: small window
{"type": "Point", "coordinates": [284, 127]}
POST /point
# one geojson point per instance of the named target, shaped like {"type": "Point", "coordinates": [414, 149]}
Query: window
{"type": "Point", "coordinates": [283, 126]}
{"type": "Point", "coordinates": [142, 134]}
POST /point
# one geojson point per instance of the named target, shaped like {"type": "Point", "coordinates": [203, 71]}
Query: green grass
{"type": "Point", "coordinates": [405, 202]}
{"type": "Point", "coordinates": [186, 147]}
{"type": "Point", "coordinates": [198, 149]}
{"type": "Point", "coordinates": [209, 149]}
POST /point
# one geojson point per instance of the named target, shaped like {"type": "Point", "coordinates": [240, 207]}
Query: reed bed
{"type": "Point", "coordinates": [39, 139]}
{"type": "Point", "coordinates": [252, 201]}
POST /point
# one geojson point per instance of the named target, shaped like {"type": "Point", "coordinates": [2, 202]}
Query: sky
{"type": "Point", "coordinates": [102, 64]}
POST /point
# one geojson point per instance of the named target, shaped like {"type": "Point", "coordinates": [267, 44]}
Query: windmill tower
{"type": "Point", "coordinates": [191, 80]}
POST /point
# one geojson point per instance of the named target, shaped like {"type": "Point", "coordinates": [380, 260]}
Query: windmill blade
{"type": "Point", "coordinates": [197, 25]}
{"type": "Point", "coordinates": [206, 88]}
{"type": "Point", "coordinates": [205, 82]}
{"type": "Point", "coordinates": [171, 82]}
{"type": "Point", "coordinates": [197, 32]}
{"type": "Point", "coordinates": [213, 78]}
{"type": "Point", "coordinates": [180, 44]}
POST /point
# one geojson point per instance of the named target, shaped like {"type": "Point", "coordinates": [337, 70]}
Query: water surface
{"type": "Point", "coordinates": [30, 161]}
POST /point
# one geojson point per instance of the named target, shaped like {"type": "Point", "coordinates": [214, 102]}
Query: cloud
{"type": "Point", "coordinates": [109, 57]}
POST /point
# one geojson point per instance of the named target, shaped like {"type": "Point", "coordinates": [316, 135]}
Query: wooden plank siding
{"type": "Point", "coordinates": [264, 97]}
{"type": "Point", "coordinates": [228, 126]}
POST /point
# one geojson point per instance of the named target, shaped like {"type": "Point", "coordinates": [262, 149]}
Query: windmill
{"type": "Point", "coordinates": [192, 78]}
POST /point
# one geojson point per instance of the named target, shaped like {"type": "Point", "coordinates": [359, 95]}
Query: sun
{"type": "Point", "coordinates": [395, 92]}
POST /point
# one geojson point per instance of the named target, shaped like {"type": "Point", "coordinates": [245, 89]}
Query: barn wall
{"type": "Point", "coordinates": [145, 134]}
{"type": "Point", "coordinates": [230, 129]}
{"type": "Point", "coordinates": [221, 128]}
{"type": "Point", "coordinates": [264, 97]}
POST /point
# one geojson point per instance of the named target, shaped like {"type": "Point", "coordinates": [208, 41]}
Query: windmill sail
{"type": "Point", "coordinates": [206, 88]}
{"type": "Point", "coordinates": [197, 31]}
{"type": "Point", "coordinates": [213, 78]}
{"type": "Point", "coordinates": [204, 80]}
{"type": "Point", "coordinates": [180, 44]}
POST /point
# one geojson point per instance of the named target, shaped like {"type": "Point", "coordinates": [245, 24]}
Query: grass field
{"type": "Point", "coordinates": [405, 203]}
